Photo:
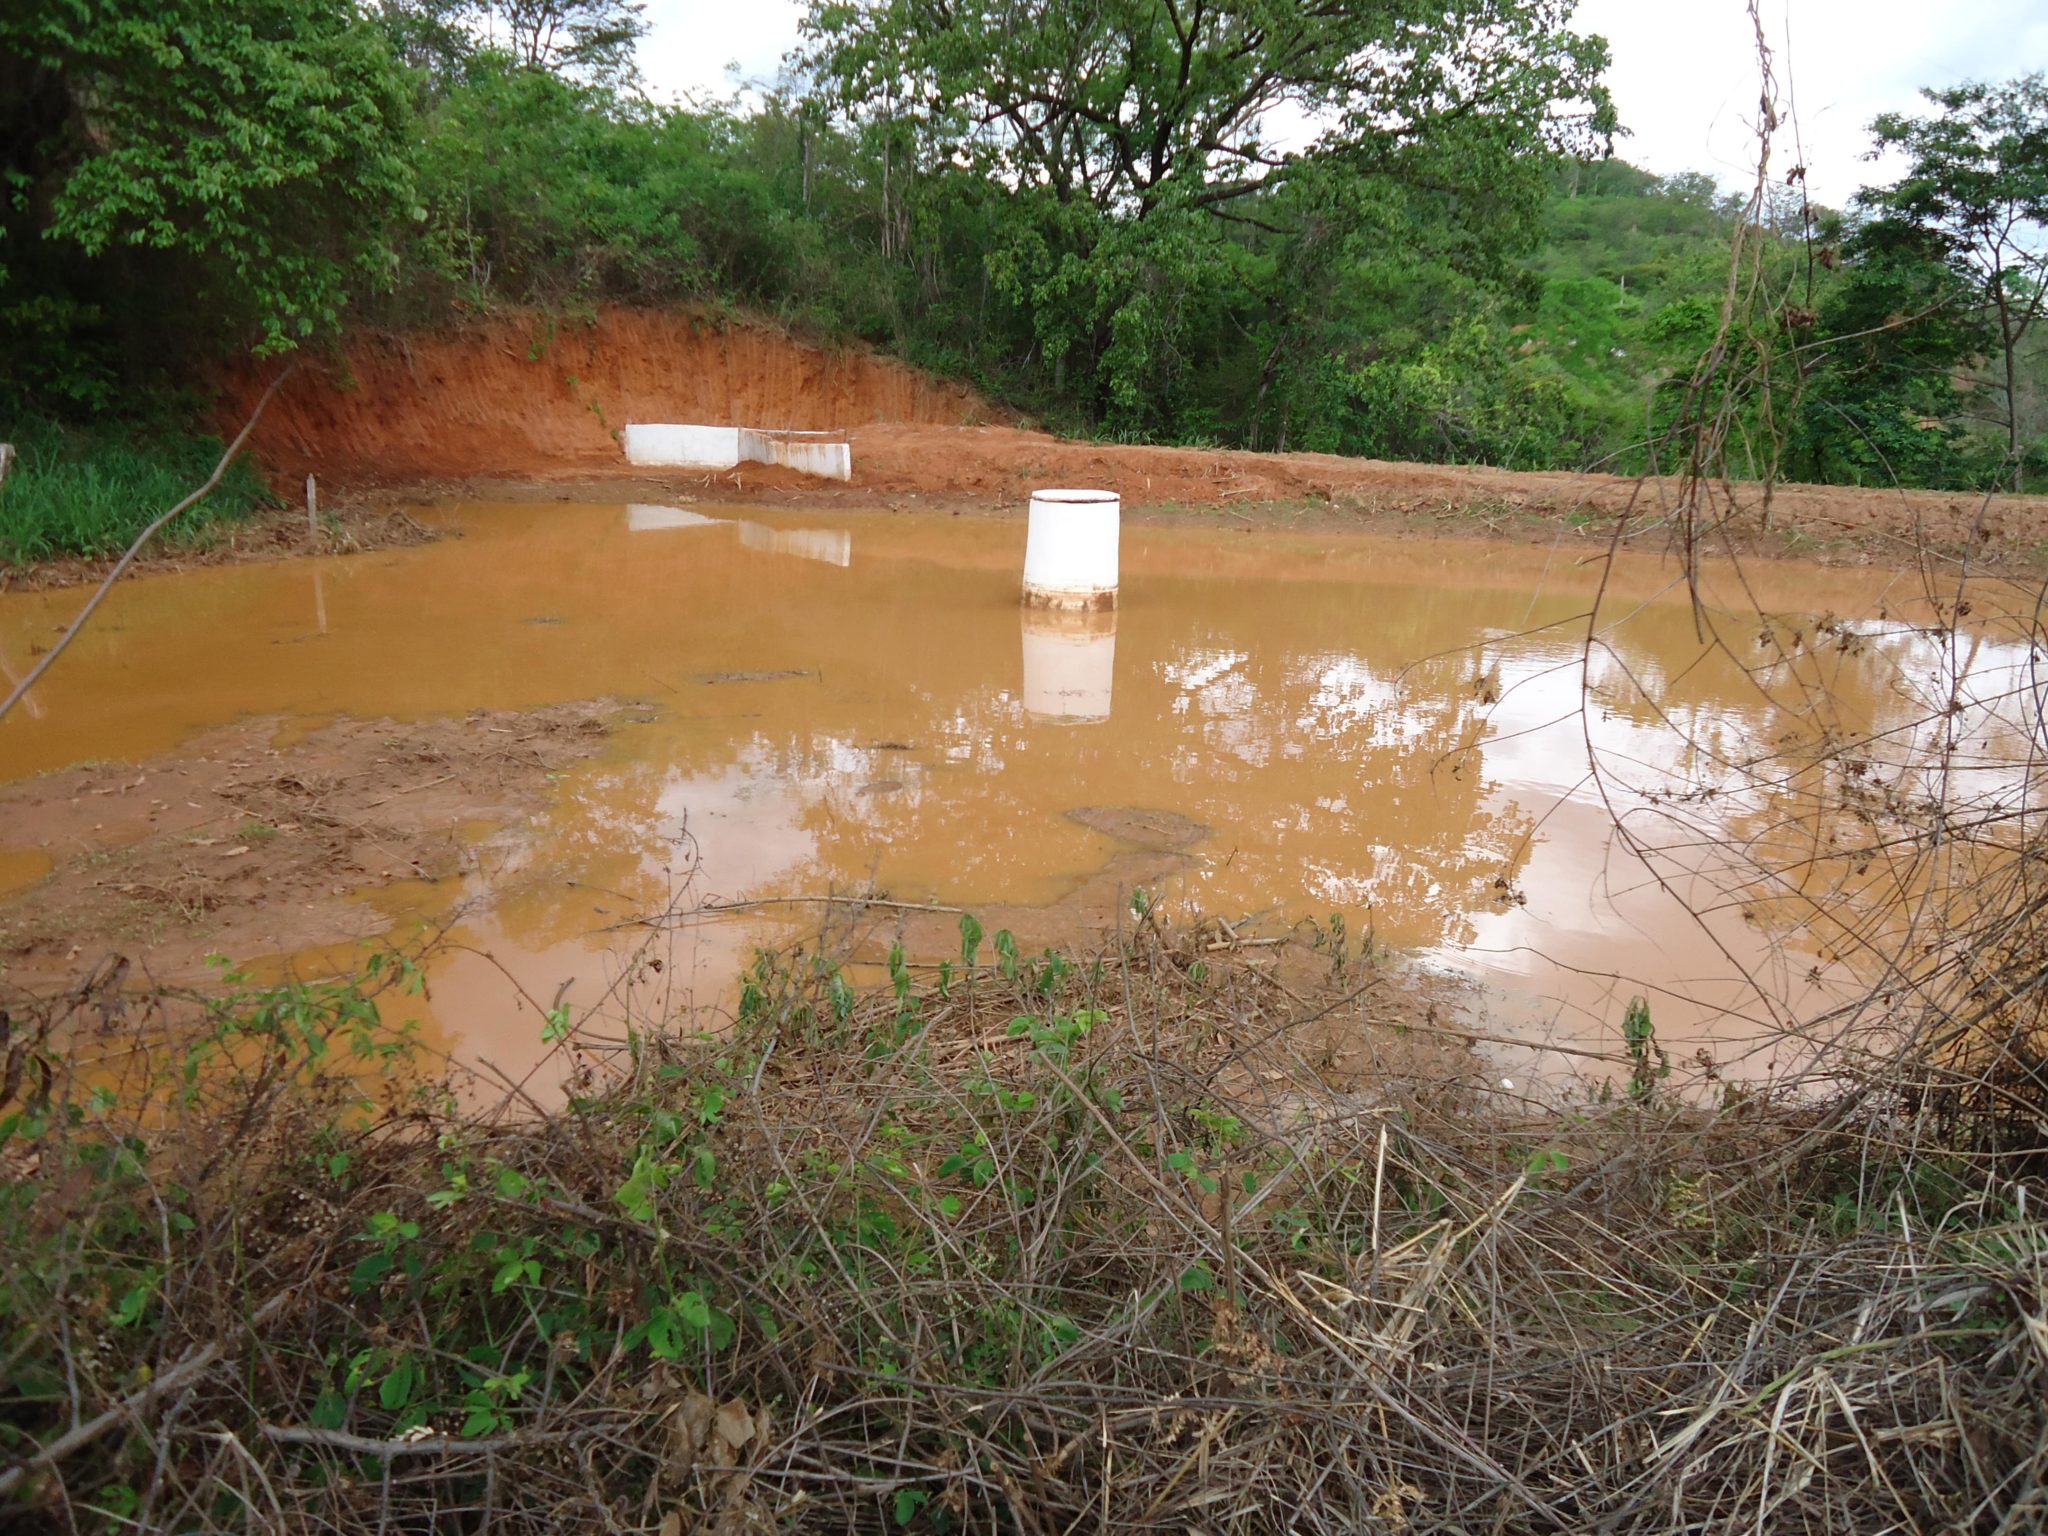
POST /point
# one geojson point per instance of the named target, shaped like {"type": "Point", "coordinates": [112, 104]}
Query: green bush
{"type": "Point", "coordinates": [75, 491]}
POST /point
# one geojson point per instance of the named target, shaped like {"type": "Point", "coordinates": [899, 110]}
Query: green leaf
{"type": "Point", "coordinates": [369, 1270]}
{"type": "Point", "coordinates": [330, 1410]}
{"type": "Point", "coordinates": [907, 1503]}
{"type": "Point", "coordinates": [396, 1389]}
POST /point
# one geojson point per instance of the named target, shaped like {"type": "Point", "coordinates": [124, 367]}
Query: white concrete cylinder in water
{"type": "Point", "coordinates": [1070, 554]}
{"type": "Point", "coordinates": [1069, 664]}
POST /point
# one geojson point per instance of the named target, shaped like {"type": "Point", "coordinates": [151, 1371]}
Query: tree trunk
{"type": "Point", "coordinates": [2010, 343]}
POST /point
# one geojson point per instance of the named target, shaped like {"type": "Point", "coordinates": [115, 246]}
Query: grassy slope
{"type": "Point", "coordinates": [89, 492]}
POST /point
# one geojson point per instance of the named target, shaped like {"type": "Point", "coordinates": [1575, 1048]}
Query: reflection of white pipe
{"type": "Point", "coordinates": [1070, 554]}
{"type": "Point", "coordinates": [834, 546]}
{"type": "Point", "coordinates": [643, 517]}
{"type": "Point", "coordinates": [680, 446]}
{"type": "Point", "coordinates": [1069, 664]}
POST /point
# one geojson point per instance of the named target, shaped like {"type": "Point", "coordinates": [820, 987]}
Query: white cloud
{"type": "Point", "coordinates": [1684, 73]}
{"type": "Point", "coordinates": [1685, 76]}
{"type": "Point", "coordinates": [710, 48]}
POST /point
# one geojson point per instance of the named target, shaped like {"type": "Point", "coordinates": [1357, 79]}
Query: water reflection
{"type": "Point", "coordinates": [1069, 664]}
{"type": "Point", "coordinates": [869, 732]}
{"type": "Point", "coordinates": [642, 517]}
{"type": "Point", "coordinates": [831, 546]}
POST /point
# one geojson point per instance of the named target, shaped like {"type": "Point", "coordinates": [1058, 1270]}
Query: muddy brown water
{"type": "Point", "coordinates": [1275, 726]}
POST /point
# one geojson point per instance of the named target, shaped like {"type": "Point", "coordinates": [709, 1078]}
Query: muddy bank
{"type": "Point", "coordinates": [521, 392]}
{"type": "Point", "coordinates": [1821, 524]}
{"type": "Point", "coordinates": [353, 526]}
{"type": "Point", "coordinates": [246, 842]}
{"type": "Point", "coordinates": [520, 400]}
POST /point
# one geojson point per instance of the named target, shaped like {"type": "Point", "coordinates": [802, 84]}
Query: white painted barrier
{"type": "Point", "coordinates": [1069, 664]}
{"type": "Point", "coordinates": [6, 459]}
{"type": "Point", "coordinates": [810, 453]}
{"type": "Point", "coordinates": [1070, 552]}
{"type": "Point", "coordinates": [645, 517]}
{"type": "Point", "coordinates": [679, 446]}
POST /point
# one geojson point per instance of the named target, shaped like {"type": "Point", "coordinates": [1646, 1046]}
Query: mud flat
{"type": "Point", "coordinates": [263, 837]}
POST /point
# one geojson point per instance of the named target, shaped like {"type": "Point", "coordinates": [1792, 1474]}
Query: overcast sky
{"type": "Point", "coordinates": [1684, 73]}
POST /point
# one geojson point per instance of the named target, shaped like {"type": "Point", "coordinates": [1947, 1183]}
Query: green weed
{"type": "Point", "coordinates": [75, 492]}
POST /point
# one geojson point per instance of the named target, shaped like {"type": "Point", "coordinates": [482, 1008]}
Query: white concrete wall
{"type": "Point", "coordinates": [810, 453]}
{"type": "Point", "coordinates": [678, 445]}
{"type": "Point", "coordinates": [681, 446]}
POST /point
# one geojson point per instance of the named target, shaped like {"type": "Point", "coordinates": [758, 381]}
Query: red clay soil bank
{"type": "Point", "coordinates": [520, 397]}
{"type": "Point", "coordinates": [521, 394]}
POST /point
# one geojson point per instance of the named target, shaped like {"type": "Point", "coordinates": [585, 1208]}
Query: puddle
{"type": "Point", "coordinates": [1274, 727]}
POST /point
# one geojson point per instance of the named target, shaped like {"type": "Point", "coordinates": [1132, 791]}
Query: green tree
{"type": "Point", "coordinates": [1896, 329]}
{"type": "Point", "coordinates": [1135, 143]}
{"type": "Point", "coordinates": [185, 166]}
{"type": "Point", "coordinates": [1977, 183]}
{"type": "Point", "coordinates": [585, 39]}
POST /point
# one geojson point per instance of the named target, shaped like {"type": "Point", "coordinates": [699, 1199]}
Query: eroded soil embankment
{"type": "Point", "coordinates": [236, 845]}
{"type": "Point", "coordinates": [522, 393]}
{"type": "Point", "coordinates": [524, 399]}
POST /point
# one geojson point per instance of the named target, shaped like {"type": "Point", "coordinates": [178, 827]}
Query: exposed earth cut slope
{"type": "Point", "coordinates": [524, 393]}
{"type": "Point", "coordinates": [525, 398]}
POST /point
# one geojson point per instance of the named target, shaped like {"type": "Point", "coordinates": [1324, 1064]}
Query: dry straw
{"type": "Point", "coordinates": [893, 1260]}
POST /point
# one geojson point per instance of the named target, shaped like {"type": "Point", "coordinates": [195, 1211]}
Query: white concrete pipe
{"type": "Point", "coordinates": [680, 446]}
{"type": "Point", "coordinates": [1070, 554]}
{"type": "Point", "coordinates": [1069, 664]}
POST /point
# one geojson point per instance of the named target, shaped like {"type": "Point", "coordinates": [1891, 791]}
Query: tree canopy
{"type": "Point", "coordinates": [259, 151]}
{"type": "Point", "coordinates": [1975, 196]}
{"type": "Point", "coordinates": [1135, 104]}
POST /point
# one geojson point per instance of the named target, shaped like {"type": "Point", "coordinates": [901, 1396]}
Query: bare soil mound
{"type": "Point", "coordinates": [523, 393]}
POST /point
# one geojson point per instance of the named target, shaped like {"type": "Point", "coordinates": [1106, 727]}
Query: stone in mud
{"type": "Point", "coordinates": [1143, 826]}
{"type": "Point", "coordinates": [713, 678]}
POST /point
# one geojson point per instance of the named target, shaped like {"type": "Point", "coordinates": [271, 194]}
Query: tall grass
{"type": "Point", "coordinates": [90, 491]}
